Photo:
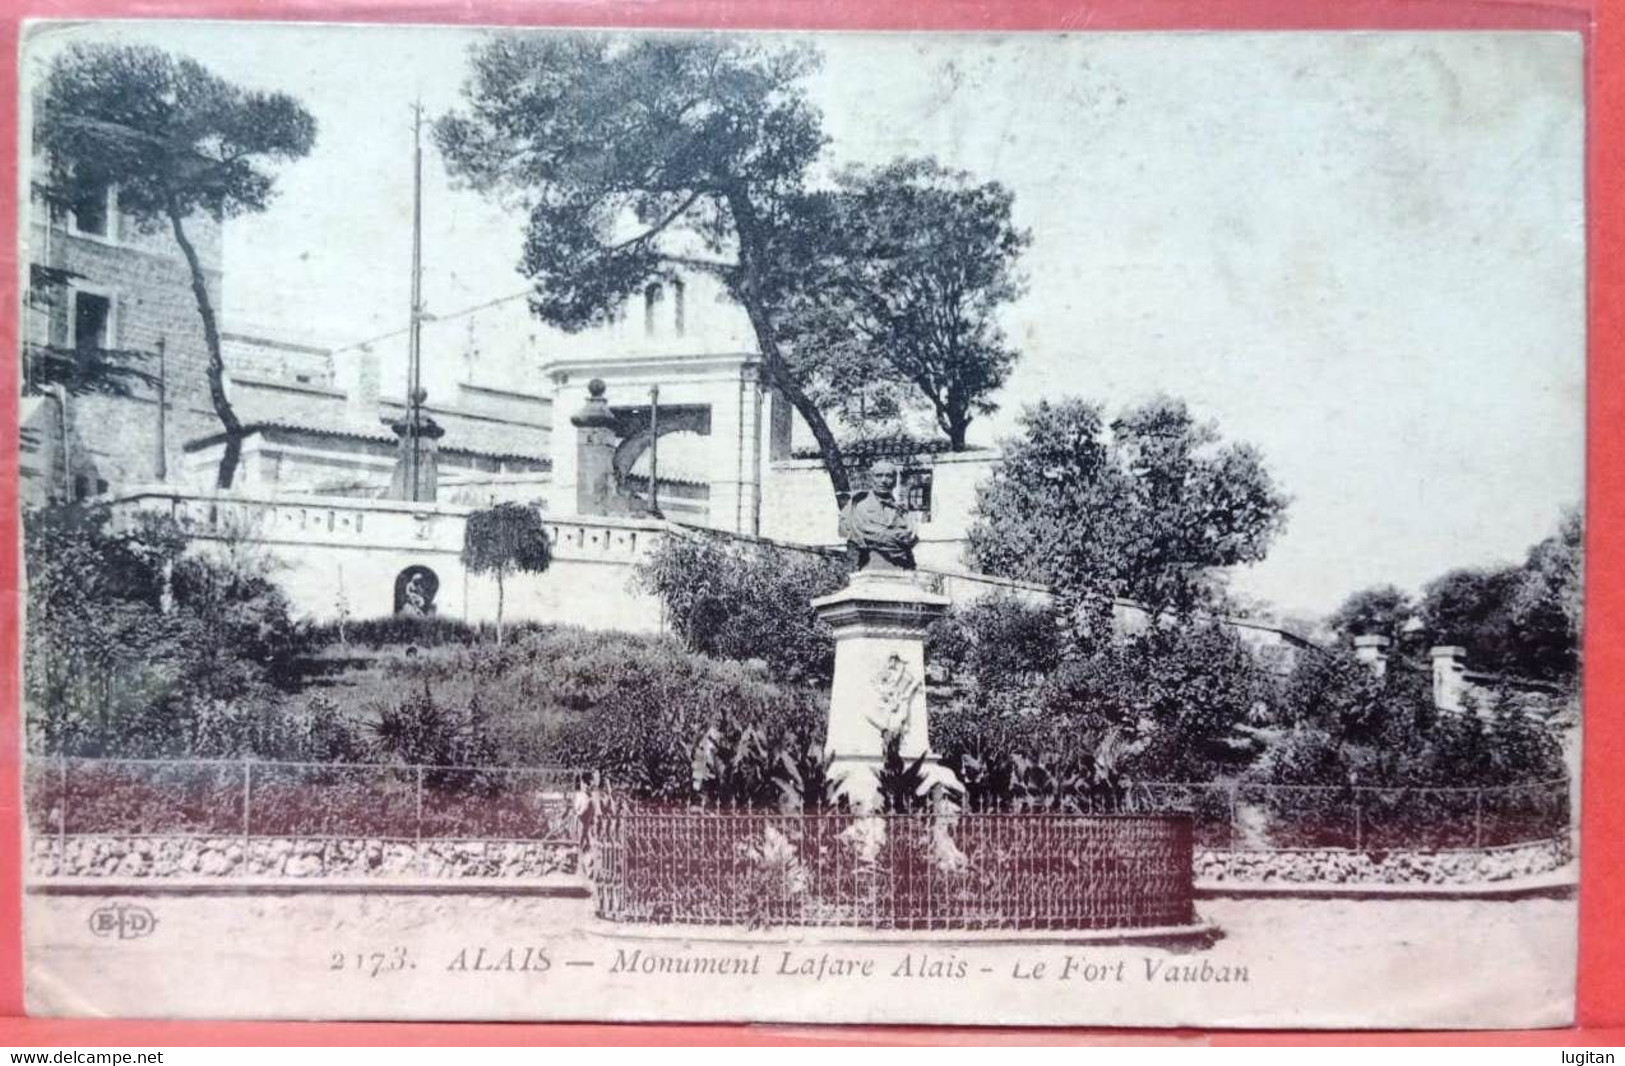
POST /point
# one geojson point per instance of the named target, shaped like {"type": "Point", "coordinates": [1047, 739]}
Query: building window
{"type": "Point", "coordinates": [652, 297]}
{"type": "Point", "coordinates": [917, 492]}
{"type": "Point", "coordinates": [679, 311]}
{"type": "Point", "coordinates": [94, 213]}
{"type": "Point", "coordinates": [92, 321]}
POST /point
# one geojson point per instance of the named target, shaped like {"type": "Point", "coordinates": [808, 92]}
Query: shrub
{"type": "Point", "coordinates": [632, 707]}
{"type": "Point", "coordinates": [742, 601]}
{"type": "Point", "coordinates": [651, 706]}
{"type": "Point", "coordinates": [996, 644]}
{"type": "Point", "coordinates": [901, 782]}
{"type": "Point", "coordinates": [424, 631]}
{"type": "Point", "coordinates": [136, 650]}
{"type": "Point", "coordinates": [1175, 704]}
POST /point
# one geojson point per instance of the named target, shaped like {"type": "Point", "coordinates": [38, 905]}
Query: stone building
{"type": "Point", "coordinates": [683, 433]}
{"type": "Point", "coordinates": [316, 420]}
{"type": "Point", "coordinates": [125, 288]}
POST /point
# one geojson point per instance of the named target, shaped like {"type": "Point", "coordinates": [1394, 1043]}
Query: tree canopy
{"type": "Point", "coordinates": [922, 261]}
{"type": "Point", "coordinates": [174, 139]}
{"type": "Point", "coordinates": [1382, 610]}
{"type": "Point", "coordinates": [636, 159]}
{"type": "Point", "coordinates": [503, 539]}
{"type": "Point", "coordinates": [1522, 620]}
{"type": "Point", "coordinates": [1148, 507]}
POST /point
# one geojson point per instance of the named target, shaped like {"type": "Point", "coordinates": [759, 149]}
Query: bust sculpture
{"type": "Point", "coordinates": [876, 529]}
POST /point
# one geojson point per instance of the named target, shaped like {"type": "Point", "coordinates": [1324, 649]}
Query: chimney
{"type": "Point", "coordinates": [1372, 649]}
{"type": "Point", "coordinates": [355, 370]}
{"type": "Point", "coordinates": [1449, 676]}
{"type": "Point", "coordinates": [595, 452]}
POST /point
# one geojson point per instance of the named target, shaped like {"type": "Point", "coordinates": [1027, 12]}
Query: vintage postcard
{"type": "Point", "coordinates": [1024, 529]}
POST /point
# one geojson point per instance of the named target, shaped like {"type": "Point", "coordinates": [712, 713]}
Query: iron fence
{"type": "Point", "coordinates": [1249, 817]}
{"type": "Point", "coordinates": [959, 871]}
{"type": "Point", "coordinates": [67, 798]}
{"type": "Point", "coordinates": [345, 818]}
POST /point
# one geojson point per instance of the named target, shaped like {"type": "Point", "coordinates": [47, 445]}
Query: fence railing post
{"type": "Point", "coordinates": [1478, 817]}
{"type": "Point", "coordinates": [1231, 836]}
{"type": "Point", "coordinates": [248, 786]}
{"type": "Point", "coordinates": [62, 814]}
{"type": "Point", "coordinates": [417, 822]}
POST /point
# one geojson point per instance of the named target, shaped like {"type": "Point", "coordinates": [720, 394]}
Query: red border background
{"type": "Point", "coordinates": [1601, 1004]}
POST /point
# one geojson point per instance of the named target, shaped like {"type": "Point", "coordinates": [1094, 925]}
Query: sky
{"type": "Point", "coordinates": [1361, 253]}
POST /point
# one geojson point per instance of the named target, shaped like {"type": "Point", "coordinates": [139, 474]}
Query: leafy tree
{"type": "Point", "coordinates": [924, 261]}
{"type": "Point", "coordinates": [1147, 508]}
{"type": "Point", "coordinates": [1545, 608]}
{"type": "Point", "coordinates": [174, 139]}
{"type": "Point", "coordinates": [503, 539]}
{"type": "Point", "coordinates": [1177, 703]}
{"type": "Point", "coordinates": [637, 157]}
{"type": "Point", "coordinates": [1470, 606]}
{"type": "Point", "coordinates": [1382, 610]}
{"type": "Point", "coordinates": [1522, 620]}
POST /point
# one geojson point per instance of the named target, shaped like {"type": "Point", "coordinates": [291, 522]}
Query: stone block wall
{"type": "Point", "coordinates": [294, 858]}
{"type": "Point", "coordinates": [146, 279]}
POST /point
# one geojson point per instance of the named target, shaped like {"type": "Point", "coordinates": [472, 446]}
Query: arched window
{"type": "Point", "coordinates": [679, 311]}
{"type": "Point", "coordinates": [652, 295]}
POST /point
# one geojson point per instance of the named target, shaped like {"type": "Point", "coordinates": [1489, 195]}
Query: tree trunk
{"type": "Point", "coordinates": [779, 377]}
{"type": "Point", "coordinates": [229, 421]}
{"type": "Point", "coordinates": [748, 230]}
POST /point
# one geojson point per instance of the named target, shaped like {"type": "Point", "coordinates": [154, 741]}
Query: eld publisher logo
{"type": "Point", "coordinates": [126, 921]}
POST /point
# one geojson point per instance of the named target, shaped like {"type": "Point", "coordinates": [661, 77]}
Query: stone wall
{"type": "Point", "coordinates": [798, 504]}
{"type": "Point", "coordinates": [250, 355]}
{"type": "Point", "coordinates": [172, 857]}
{"type": "Point", "coordinates": [177, 857]}
{"type": "Point", "coordinates": [330, 553]}
{"type": "Point", "coordinates": [147, 281]}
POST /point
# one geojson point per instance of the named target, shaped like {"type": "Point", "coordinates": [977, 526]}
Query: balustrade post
{"type": "Point", "coordinates": [1478, 817]}
{"type": "Point", "coordinates": [1359, 829]}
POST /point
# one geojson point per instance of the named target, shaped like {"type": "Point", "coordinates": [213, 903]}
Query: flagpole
{"type": "Point", "coordinates": [414, 353]}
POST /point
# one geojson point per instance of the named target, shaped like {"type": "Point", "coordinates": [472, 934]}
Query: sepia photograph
{"type": "Point", "coordinates": [946, 528]}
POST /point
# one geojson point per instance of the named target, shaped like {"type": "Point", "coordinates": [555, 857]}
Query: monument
{"type": "Point", "coordinates": [879, 620]}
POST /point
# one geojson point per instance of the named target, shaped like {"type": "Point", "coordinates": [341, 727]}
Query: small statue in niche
{"type": "Point", "coordinates": [415, 590]}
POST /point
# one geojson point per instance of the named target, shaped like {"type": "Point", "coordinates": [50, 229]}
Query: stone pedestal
{"type": "Point", "coordinates": [417, 462]}
{"type": "Point", "coordinates": [879, 620]}
{"type": "Point", "coordinates": [596, 438]}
